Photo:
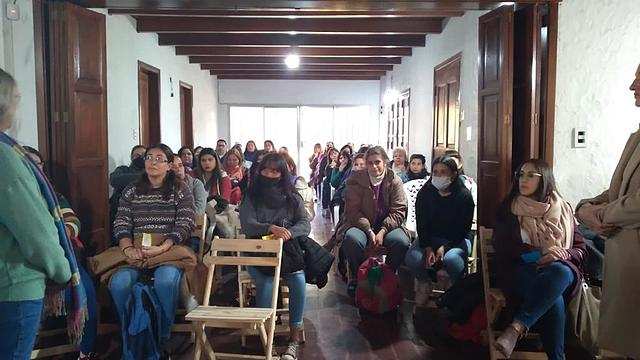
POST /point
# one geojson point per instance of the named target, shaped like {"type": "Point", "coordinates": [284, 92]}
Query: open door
{"type": "Point", "coordinates": [446, 105]}
{"type": "Point", "coordinates": [495, 99]}
{"type": "Point", "coordinates": [78, 111]}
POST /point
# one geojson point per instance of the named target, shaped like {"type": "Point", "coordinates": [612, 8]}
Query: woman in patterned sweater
{"type": "Point", "coordinates": [156, 204]}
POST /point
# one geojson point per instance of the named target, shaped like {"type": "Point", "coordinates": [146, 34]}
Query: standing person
{"type": "Point", "coordinates": [417, 168]}
{"type": "Point", "coordinates": [34, 246]}
{"type": "Point", "coordinates": [614, 216]}
{"type": "Point", "coordinates": [273, 207]}
{"type": "Point", "coordinates": [156, 204]}
{"type": "Point", "coordinates": [400, 164]}
{"type": "Point", "coordinates": [539, 255]}
{"type": "Point", "coordinates": [191, 185]}
{"type": "Point", "coordinates": [332, 162]}
{"type": "Point", "coordinates": [124, 175]}
{"type": "Point", "coordinates": [72, 228]}
{"type": "Point", "coordinates": [186, 155]}
{"type": "Point", "coordinates": [250, 151]}
{"type": "Point", "coordinates": [444, 214]}
{"type": "Point", "coordinates": [234, 167]}
{"type": "Point", "coordinates": [221, 148]}
{"type": "Point", "coordinates": [314, 159]}
{"type": "Point", "coordinates": [269, 147]}
{"type": "Point", "coordinates": [375, 209]}
{"type": "Point", "coordinates": [215, 180]}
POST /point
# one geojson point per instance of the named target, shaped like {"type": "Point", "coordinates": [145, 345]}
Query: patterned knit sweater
{"type": "Point", "coordinates": [150, 213]}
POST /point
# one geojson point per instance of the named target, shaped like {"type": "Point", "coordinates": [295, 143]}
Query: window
{"type": "Point", "coordinates": [398, 122]}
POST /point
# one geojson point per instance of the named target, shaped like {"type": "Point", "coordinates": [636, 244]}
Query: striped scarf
{"type": "Point", "coordinates": [54, 303]}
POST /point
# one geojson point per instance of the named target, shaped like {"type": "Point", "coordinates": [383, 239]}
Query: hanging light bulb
{"type": "Point", "coordinates": [292, 61]}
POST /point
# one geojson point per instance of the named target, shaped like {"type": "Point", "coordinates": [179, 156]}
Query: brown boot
{"type": "Point", "coordinates": [509, 338]}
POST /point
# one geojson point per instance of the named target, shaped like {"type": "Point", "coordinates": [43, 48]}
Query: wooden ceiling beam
{"type": "Point", "coordinates": [297, 73]}
{"type": "Point", "coordinates": [294, 77]}
{"type": "Point", "coordinates": [282, 67]}
{"type": "Point", "coordinates": [274, 13]}
{"type": "Point", "coordinates": [286, 50]}
{"type": "Point", "coordinates": [276, 60]}
{"type": "Point", "coordinates": [301, 26]}
{"type": "Point", "coordinates": [195, 39]}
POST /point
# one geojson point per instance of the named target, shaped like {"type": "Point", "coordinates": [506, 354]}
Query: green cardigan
{"type": "Point", "coordinates": [29, 246]}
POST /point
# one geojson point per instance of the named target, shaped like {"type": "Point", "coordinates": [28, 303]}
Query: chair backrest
{"type": "Point", "coordinates": [411, 189]}
{"type": "Point", "coordinates": [234, 253]}
{"type": "Point", "coordinates": [200, 231]}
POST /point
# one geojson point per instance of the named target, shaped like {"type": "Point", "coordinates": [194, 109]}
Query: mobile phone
{"type": "Point", "coordinates": [531, 256]}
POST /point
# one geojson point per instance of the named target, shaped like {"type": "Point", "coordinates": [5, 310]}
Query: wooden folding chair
{"type": "Point", "coordinates": [495, 301]}
{"type": "Point", "coordinates": [235, 317]}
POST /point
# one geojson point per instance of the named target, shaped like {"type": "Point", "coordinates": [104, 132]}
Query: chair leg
{"type": "Point", "coordinates": [243, 337]}
{"type": "Point", "coordinates": [197, 352]}
{"type": "Point", "coordinates": [272, 329]}
{"type": "Point", "coordinates": [206, 344]}
{"type": "Point", "coordinates": [263, 335]}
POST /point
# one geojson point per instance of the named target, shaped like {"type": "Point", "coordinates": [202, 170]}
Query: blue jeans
{"type": "Point", "coordinates": [166, 284]}
{"type": "Point", "coordinates": [19, 323]}
{"type": "Point", "coordinates": [355, 241]}
{"type": "Point", "coordinates": [297, 293]}
{"type": "Point", "coordinates": [454, 261]}
{"type": "Point", "coordinates": [543, 303]}
{"type": "Point", "coordinates": [87, 345]}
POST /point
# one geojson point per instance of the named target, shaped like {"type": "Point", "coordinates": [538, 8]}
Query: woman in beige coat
{"type": "Point", "coordinates": [615, 215]}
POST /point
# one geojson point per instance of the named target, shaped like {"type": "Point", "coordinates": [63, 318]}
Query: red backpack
{"type": "Point", "coordinates": [378, 290]}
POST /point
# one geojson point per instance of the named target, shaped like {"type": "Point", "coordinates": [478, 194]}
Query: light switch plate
{"type": "Point", "coordinates": [468, 133]}
{"type": "Point", "coordinates": [579, 138]}
{"type": "Point", "coordinates": [12, 12]}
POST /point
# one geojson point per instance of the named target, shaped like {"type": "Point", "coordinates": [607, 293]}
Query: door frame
{"type": "Point", "coordinates": [455, 58]}
{"type": "Point", "coordinates": [144, 67]}
{"type": "Point", "coordinates": [184, 85]}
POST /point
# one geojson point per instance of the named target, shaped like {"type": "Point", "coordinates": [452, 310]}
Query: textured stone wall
{"type": "Point", "coordinates": [598, 53]}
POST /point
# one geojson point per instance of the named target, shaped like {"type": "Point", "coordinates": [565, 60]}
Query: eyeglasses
{"type": "Point", "coordinates": [156, 159]}
{"type": "Point", "coordinates": [527, 175]}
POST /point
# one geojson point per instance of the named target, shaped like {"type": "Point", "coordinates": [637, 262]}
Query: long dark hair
{"type": "Point", "coordinates": [456, 155]}
{"type": "Point", "coordinates": [346, 153]}
{"type": "Point", "coordinates": [451, 163]}
{"type": "Point", "coordinates": [246, 147]}
{"type": "Point", "coordinates": [545, 188]}
{"type": "Point", "coordinates": [170, 184]}
{"type": "Point", "coordinates": [273, 146]}
{"type": "Point", "coordinates": [277, 162]}
{"type": "Point", "coordinates": [217, 172]}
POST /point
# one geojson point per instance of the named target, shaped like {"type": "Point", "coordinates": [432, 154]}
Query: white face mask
{"type": "Point", "coordinates": [440, 182]}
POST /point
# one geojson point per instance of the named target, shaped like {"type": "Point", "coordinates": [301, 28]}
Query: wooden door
{"type": "Point", "coordinates": [79, 141]}
{"type": "Point", "coordinates": [149, 103]}
{"type": "Point", "coordinates": [446, 91]}
{"type": "Point", "coordinates": [186, 114]}
{"type": "Point", "coordinates": [495, 79]}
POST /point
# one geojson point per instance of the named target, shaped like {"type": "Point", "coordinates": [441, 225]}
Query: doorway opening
{"type": "Point", "coordinates": [149, 103]}
{"type": "Point", "coordinates": [186, 114]}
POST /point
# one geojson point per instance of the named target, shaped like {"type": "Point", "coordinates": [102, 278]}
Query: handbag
{"type": "Point", "coordinates": [583, 316]}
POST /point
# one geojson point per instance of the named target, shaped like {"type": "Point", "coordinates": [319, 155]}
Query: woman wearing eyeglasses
{"type": "Point", "coordinates": [539, 255]}
{"type": "Point", "coordinates": [444, 213]}
{"type": "Point", "coordinates": [155, 204]}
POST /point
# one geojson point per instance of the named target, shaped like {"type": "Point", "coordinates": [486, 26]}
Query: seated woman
{"type": "Point", "coordinates": [339, 176]}
{"type": "Point", "coordinates": [234, 167]}
{"type": "Point", "coordinates": [375, 209]}
{"type": "Point", "coordinates": [250, 151]}
{"type": "Point", "coordinates": [192, 185]}
{"type": "Point", "coordinates": [156, 204]}
{"type": "Point", "coordinates": [444, 213]}
{"type": "Point", "coordinates": [273, 207]}
{"type": "Point", "coordinates": [417, 168]}
{"type": "Point", "coordinates": [301, 186]}
{"type": "Point", "coordinates": [209, 171]}
{"type": "Point", "coordinates": [186, 155]}
{"type": "Point", "coordinates": [269, 147]}
{"type": "Point", "coordinates": [400, 164]}
{"type": "Point", "coordinates": [72, 227]}
{"type": "Point", "coordinates": [359, 163]}
{"type": "Point", "coordinates": [539, 255]}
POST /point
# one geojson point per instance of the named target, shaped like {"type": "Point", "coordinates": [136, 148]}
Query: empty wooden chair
{"type": "Point", "coordinates": [261, 319]}
{"type": "Point", "coordinates": [495, 300]}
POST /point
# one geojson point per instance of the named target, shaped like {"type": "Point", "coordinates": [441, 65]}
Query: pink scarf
{"type": "Point", "coordinates": [548, 223]}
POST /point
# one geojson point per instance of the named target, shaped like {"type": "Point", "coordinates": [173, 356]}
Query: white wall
{"type": "Point", "coordinates": [18, 59]}
{"type": "Point", "coordinates": [298, 92]}
{"type": "Point", "coordinates": [598, 53]}
{"type": "Point", "coordinates": [416, 73]}
{"type": "Point", "coordinates": [124, 48]}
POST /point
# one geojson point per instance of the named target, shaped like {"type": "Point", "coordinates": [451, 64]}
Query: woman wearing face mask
{"type": "Point", "coordinates": [539, 257]}
{"type": "Point", "coordinates": [209, 171]}
{"type": "Point", "coordinates": [375, 209]}
{"type": "Point", "coordinates": [272, 207]}
{"type": "Point", "coordinates": [417, 169]}
{"type": "Point", "coordinates": [444, 213]}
